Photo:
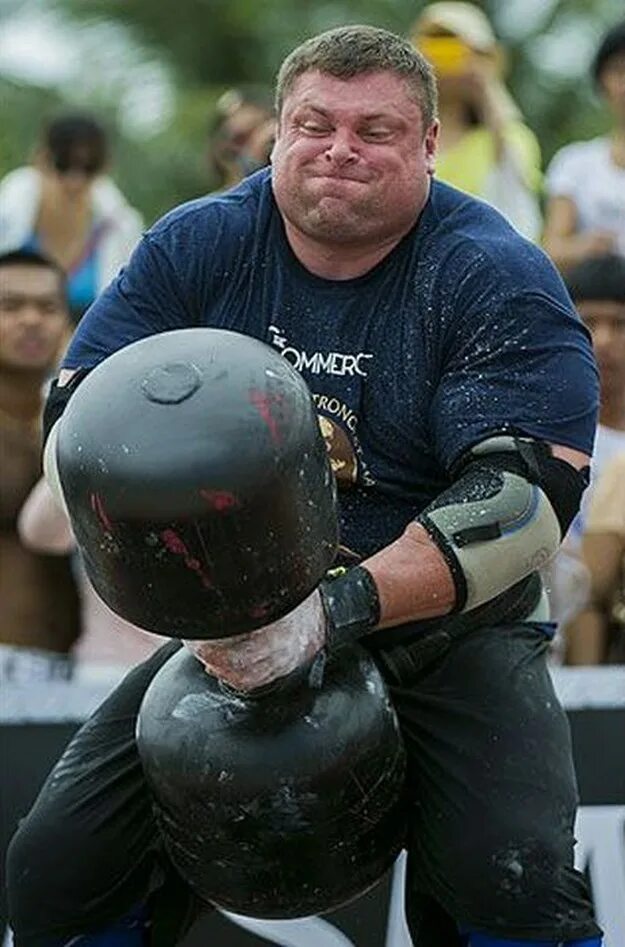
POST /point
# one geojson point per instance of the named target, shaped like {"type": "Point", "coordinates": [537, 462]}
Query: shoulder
{"type": "Point", "coordinates": [19, 200]}
{"type": "Point", "coordinates": [236, 208]}
{"type": "Point", "coordinates": [606, 511]}
{"type": "Point", "coordinates": [19, 191]}
{"type": "Point", "coordinates": [218, 225]}
{"type": "Point", "coordinates": [110, 203]}
{"type": "Point", "coordinates": [520, 135]}
{"type": "Point", "coordinates": [575, 159]}
{"type": "Point", "coordinates": [480, 257]}
{"type": "Point", "coordinates": [21, 181]}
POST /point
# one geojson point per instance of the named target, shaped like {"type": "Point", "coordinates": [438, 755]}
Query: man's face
{"type": "Point", "coordinates": [612, 81]}
{"type": "Point", "coordinates": [33, 317]}
{"type": "Point", "coordinates": [606, 323]}
{"type": "Point", "coordinates": [352, 160]}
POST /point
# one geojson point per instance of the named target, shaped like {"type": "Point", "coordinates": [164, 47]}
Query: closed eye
{"type": "Point", "coordinates": [376, 134]}
{"type": "Point", "coordinates": [314, 128]}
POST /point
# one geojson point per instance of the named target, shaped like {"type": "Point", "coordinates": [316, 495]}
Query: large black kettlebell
{"type": "Point", "coordinates": [282, 803]}
{"type": "Point", "coordinates": [202, 498]}
{"type": "Point", "coordinates": [198, 483]}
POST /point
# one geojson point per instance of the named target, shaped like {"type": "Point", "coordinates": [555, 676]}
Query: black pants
{"type": "Point", "coordinates": [490, 826]}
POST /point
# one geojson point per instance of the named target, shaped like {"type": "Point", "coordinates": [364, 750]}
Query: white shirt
{"type": "Point", "coordinates": [585, 173]}
{"type": "Point", "coordinates": [565, 578]}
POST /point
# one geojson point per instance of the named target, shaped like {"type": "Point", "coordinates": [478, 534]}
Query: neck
{"type": "Point", "coordinates": [452, 110]}
{"type": "Point", "coordinates": [54, 204]}
{"type": "Point", "coordinates": [612, 410]}
{"type": "Point", "coordinates": [337, 261]}
{"type": "Point", "coordinates": [618, 147]}
{"type": "Point", "coordinates": [20, 394]}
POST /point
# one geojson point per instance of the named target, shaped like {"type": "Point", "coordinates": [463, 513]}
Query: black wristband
{"type": "Point", "coordinates": [351, 605]}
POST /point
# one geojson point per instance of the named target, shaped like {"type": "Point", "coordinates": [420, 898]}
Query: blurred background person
{"type": "Point", "coordinates": [242, 135]}
{"type": "Point", "coordinates": [585, 214]}
{"type": "Point", "coordinates": [596, 634]}
{"type": "Point", "coordinates": [39, 605]}
{"type": "Point", "coordinates": [106, 639]}
{"type": "Point", "coordinates": [65, 206]}
{"type": "Point", "coordinates": [484, 147]}
{"type": "Point", "coordinates": [597, 287]}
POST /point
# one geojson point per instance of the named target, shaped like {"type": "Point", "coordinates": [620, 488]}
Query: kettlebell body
{"type": "Point", "coordinates": [279, 804]}
{"type": "Point", "coordinates": [198, 483]}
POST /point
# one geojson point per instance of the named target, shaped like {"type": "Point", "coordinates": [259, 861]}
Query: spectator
{"type": "Point", "coordinates": [242, 136]}
{"type": "Point", "coordinates": [64, 206]}
{"type": "Point", "coordinates": [598, 290]}
{"type": "Point", "coordinates": [596, 635]}
{"type": "Point", "coordinates": [585, 214]}
{"type": "Point", "coordinates": [485, 148]}
{"type": "Point", "coordinates": [106, 639]}
{"type": "Point", "coordinates": [40, 609]}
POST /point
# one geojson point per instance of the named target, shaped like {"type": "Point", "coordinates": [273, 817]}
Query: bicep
{"type": "Point", "coordinates": [527, 370]}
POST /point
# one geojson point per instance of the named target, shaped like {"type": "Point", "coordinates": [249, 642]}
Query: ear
{"type": "Point", "coordinates": [430, 144]}
{"type": "Point", "coordinates": [276, 137]}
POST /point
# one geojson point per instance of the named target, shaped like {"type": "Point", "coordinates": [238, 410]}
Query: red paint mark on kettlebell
{"type": "Point", "coordinates": [175, 545]}
{"type": "Point", "coordinates": [220, 500]}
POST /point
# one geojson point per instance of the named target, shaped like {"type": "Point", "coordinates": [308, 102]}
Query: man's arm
{"type": "Point", "coordinates": [412, 576]}
{"type": "Point", "coordinates": [507, 510]}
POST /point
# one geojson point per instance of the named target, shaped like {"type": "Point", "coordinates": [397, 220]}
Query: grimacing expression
{"type": "Point", "coordinates": [33, 317]}
{"type": "Point", "coordinates": [605, 321]}
{"type": "Point", "coordinates": [352, 161]}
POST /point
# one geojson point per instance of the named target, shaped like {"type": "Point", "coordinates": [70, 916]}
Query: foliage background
{"type": "Point", "coordinates": [154, 69]}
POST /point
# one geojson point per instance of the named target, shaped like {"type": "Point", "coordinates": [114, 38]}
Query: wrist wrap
{"type": "Point", "coordinates": [352, 607]}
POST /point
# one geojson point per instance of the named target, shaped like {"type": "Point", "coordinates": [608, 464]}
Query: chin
{"type": "Point", "coordinates": [21, 364]}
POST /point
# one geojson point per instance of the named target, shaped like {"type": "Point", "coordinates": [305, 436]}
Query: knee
{"type": "Point", "coordinates": [512, 883]}
{"type": "Point", "coordinates": [38, 862]}
{"type": "Point", "coordinates": [21, 875]}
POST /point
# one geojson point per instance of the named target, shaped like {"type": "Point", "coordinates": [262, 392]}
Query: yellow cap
{"type": "Point", "coordinates": [448, 55]}
{"type": "Point", "coordinates": [462, 20]}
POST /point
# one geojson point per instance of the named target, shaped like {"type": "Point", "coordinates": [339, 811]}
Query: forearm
{"type": "Point", "coordinates": [495, 120]}
{"type": "Point", "coordinates": [412, 579]}
{"type": "Point", "coordinates": [42, 524]}
{"type": "Point", "coordinates": [501, 519]}
{"type": "Point", "coordinates": [585, 637]}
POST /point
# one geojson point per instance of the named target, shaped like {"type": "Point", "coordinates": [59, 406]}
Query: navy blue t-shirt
{"type": "Point", "coordinates": [464, 330]}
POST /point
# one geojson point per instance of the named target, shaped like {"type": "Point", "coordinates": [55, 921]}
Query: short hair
{"type": "Point", "coordinates": [34, 258]}
{"type": "Point", "coordinates": [349, 51]}
{"type": "Point", "coordinates": [64, 135]}
{"type": "Point", "coordinates": [611, 45]}
{"type": "Point", "coordinates": [599, 279]}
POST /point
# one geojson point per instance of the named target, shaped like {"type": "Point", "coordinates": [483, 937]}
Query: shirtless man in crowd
{"type": "Point", "coordinates": [40, 608]}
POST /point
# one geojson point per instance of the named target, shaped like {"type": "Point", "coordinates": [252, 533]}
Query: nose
{"type": "Point", "coordinates": [341, 149]}
{"type": "Point", "coordinates": [30, 314]}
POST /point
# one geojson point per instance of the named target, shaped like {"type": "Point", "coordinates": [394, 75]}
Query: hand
{"type": "Point", "coordinates": [246, 662]}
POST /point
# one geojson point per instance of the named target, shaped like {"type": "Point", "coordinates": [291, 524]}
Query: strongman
{"type": "Point", "coordinates": [458, 393]}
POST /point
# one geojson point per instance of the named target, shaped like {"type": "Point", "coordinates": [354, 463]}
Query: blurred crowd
{"type": "Point", "coordinates": [66, 229]}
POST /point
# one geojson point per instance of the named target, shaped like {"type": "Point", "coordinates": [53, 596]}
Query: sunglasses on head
{"type": "Point", "coordinates": [65, 165]}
